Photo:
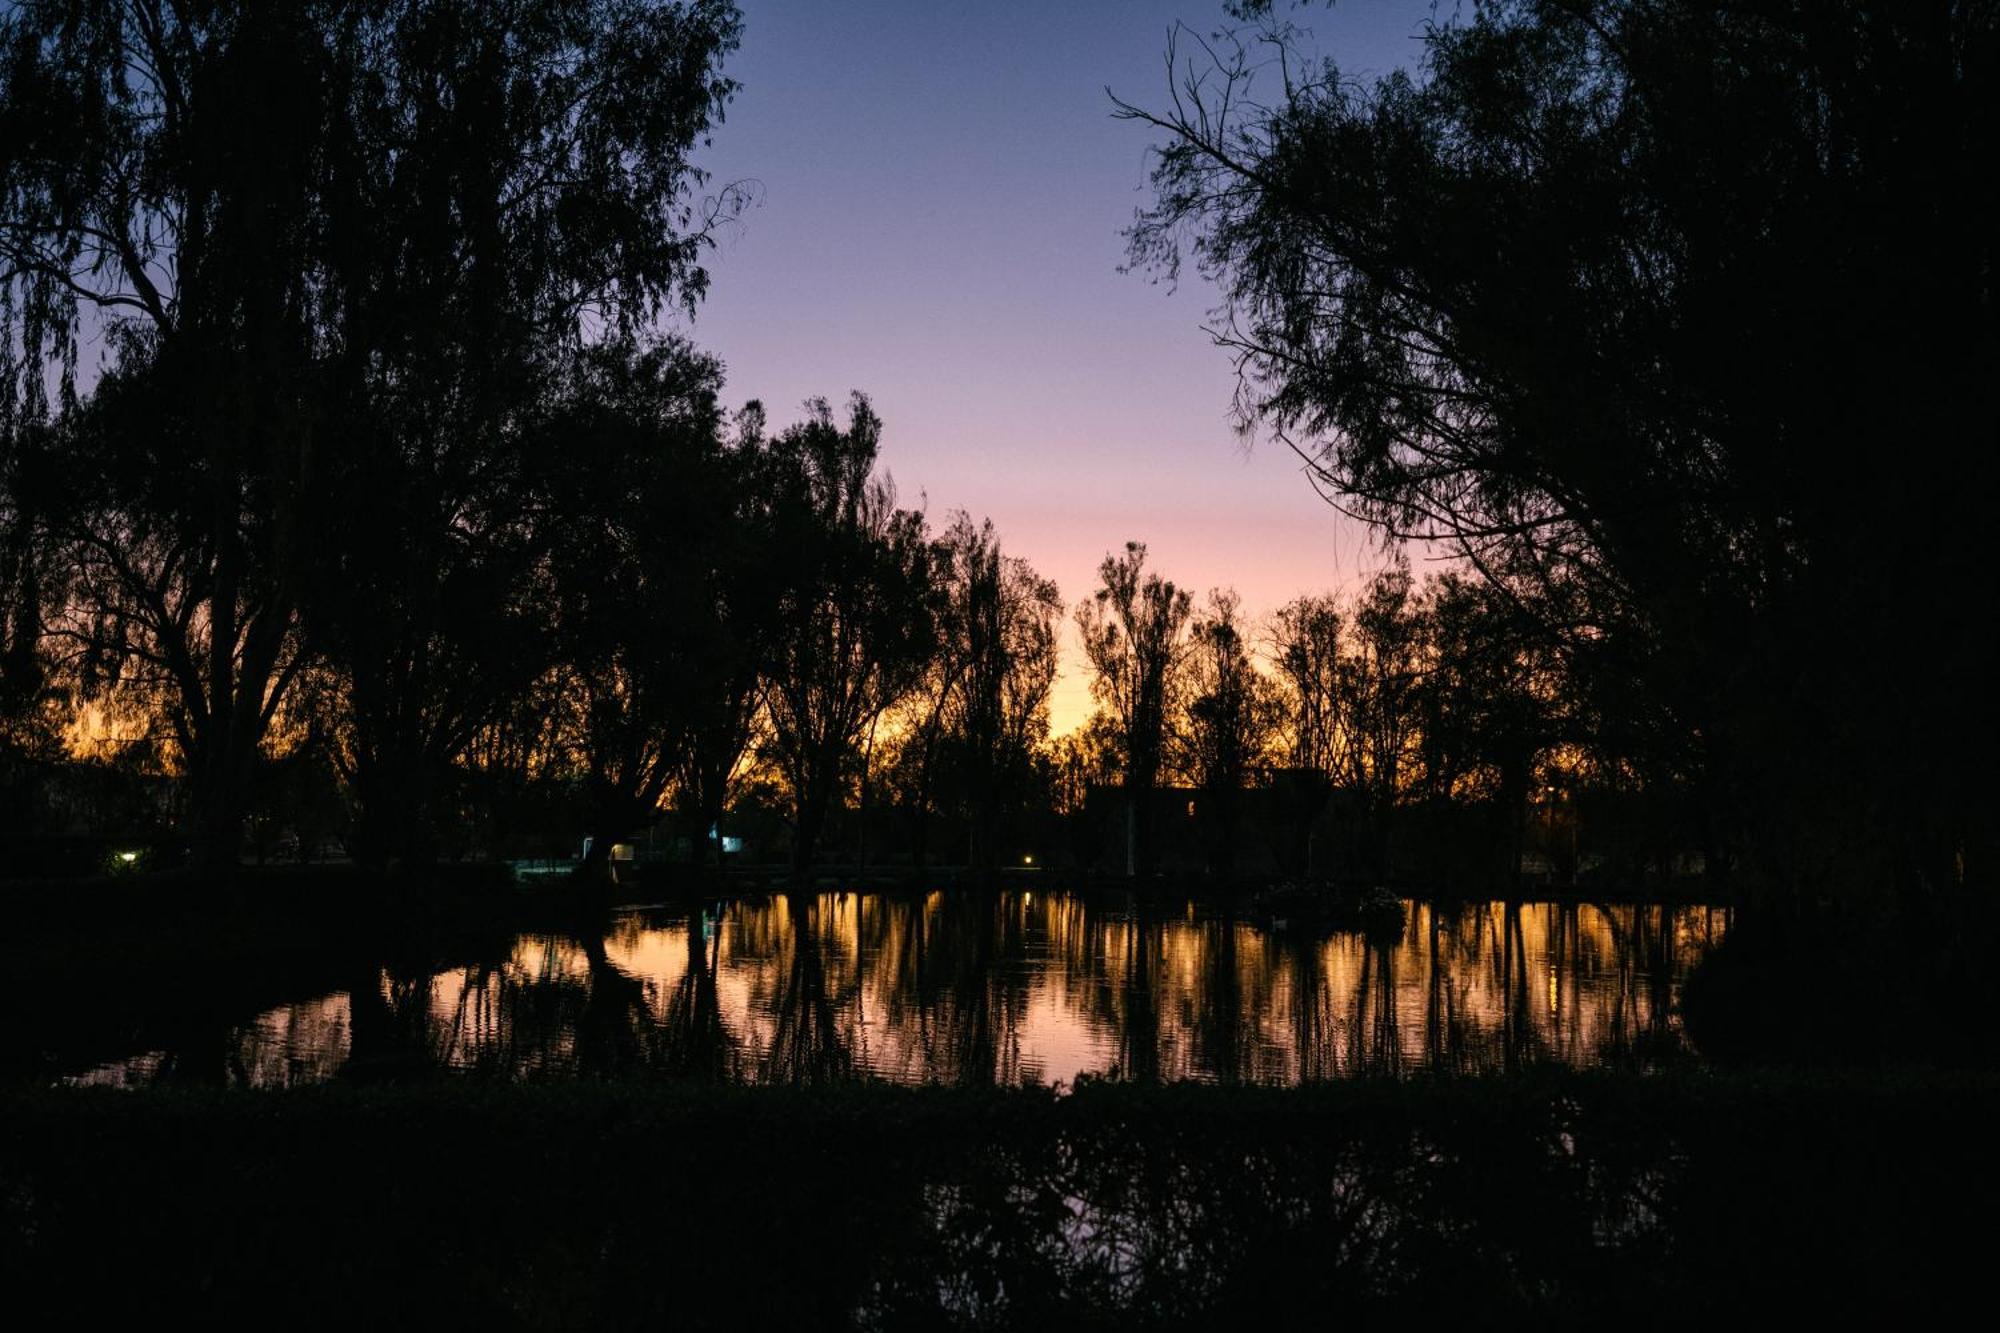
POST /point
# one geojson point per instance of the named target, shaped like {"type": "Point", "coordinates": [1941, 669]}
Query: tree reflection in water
{"type": "Point", "coordinates": [810, 1034]}
{"type": "Point", "coordinates": [969, 987]}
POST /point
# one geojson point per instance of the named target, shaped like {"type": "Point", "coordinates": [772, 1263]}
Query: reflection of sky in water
{"type": "Point", "coordinates": [1013, 987]}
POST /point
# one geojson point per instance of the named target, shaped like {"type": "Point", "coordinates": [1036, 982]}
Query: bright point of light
{"type": "Point", "coordinates": [1027, 860]}
{"type": "Point", "coordinates": [128, 857]}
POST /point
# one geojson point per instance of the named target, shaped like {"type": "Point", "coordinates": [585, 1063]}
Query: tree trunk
{"type": "Point", "coordinates": [982, 852]}
{"type": "Point", "coordinates": [394, 824]}
{"type": "Point", "coordinates": [1131, 835]}
{"type": "Point", "coordinates": [218, 801]}
{"type": "Point", "coordinates": [806, 825]}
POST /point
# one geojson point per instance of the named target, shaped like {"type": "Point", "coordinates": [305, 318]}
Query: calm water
{"type": "Point", "coordinates": [1013, 987]}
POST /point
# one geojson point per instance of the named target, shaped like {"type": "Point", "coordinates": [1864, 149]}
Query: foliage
{"type": "Point", "coordinates": [857, 611]}
{"type": "Point", "coordinates": [977, 721]}
{"type": "Point", "coordinates": [1225, 728]}
{"type": "Point", "coordinates": [327, 242]}
{"type": "Point", "coordinates": [1133, 629]}
{"type": "Point", "coordinates": [1665, 316]}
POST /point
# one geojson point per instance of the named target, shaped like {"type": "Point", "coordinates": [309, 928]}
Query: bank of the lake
{"type": "Point", "coordinates": [1554, 1198]}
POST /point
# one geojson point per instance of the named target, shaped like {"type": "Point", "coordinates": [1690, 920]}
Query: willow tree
{"type": "Point", "coordinates": [642, 495]}
{"type": "Point", "coordinates": [1675, 319]}
{"type": "Point", "coordinates": [516, 180]}
{"type": "Point", "coordinates": [162, 181]}
{"type": "Point", "coordinates": [326, 239]}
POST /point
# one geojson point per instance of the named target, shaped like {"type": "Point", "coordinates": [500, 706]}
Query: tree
{"type": "Point", "coordinates": [161, 177]}
{"type": "Point", "coordinates": [518, 178]}
{"type": "Point", "coordinates": [1132, 630]}
{"type": "Point", "coordinates": [856, 613]}
{"type": "Point", "coordinates": [1227, 721]}
{"type": "Point", "coordinates": [642, 502]}
{"type": "Point", "coordinates": [1488, 708]}
{"type": "Point", "coordinates": [1305, 648]}
{"type": "Point", "coordinates": [1306, 640]}
{"type": "Point", "coordinates": [731, 616]}
{"type": "Point", "coordinates": [326, 239]}
{"type": "Point", "coordinates": [36, 698]}
{"type": "Point", "coordinates": [1606, 296]}
{"type": "Point", "coordinates": [1497, 676]}
{"type": "Point", "coordinates": [1003, 617]}
{"type": "Point", "coordinates": [1385, 661]}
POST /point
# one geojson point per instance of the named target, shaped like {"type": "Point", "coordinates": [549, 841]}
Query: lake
{"type": "Point", "coordinates": [1007, 987]}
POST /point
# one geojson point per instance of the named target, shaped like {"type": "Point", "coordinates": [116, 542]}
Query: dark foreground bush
{"type": "Point", "coordinates": [602, 1205]}
{"type": "Point", "coordinates": [1832, 992]}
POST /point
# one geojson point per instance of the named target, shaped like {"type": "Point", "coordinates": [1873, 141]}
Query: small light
{"type": "Point", "coordinates": [1027, 860]}
{"type": "Point", "coordinates": [128, 857]}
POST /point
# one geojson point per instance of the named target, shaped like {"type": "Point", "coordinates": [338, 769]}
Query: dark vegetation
{"type": "Point", "coordinates": [1649, 1201]}
{"type": "Point", "coordinates": [354, 503]}
{"type": "Point", "coordinates": [1675, 320]}
{"type": "Point", "coordinates": [353, 500]}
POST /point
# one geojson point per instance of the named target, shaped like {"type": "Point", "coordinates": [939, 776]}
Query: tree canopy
{"type": "Point", "coordinates": [334, 246]}
{"type": "Point", "coordinates": [1675, 318]}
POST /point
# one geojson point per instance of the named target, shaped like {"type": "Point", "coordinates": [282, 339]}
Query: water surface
{"type": "Point", "coordinates": [1010, 987]}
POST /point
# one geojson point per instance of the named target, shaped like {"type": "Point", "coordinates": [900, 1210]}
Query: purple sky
{"type": "Point", "coordinates": [943, 190]}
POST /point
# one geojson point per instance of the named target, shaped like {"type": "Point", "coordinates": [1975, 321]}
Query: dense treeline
{"type": "Point", "coordinates": [1346, 716]}
{"type": "Point", "coordinates": [341, 258]}
{"type": "Point", "coordinates": [387, 518]}
{"type": "Point", "coordinates": [388, 515]}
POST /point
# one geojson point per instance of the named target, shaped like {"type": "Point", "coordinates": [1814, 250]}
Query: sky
{"type": "Point", "coordinates": [942, 190]}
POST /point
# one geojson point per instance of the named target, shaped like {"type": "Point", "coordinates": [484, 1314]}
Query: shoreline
{"type": "Point", "coordinates": [1531, 1196]}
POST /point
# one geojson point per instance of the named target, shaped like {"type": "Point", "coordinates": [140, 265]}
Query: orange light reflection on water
{"type": "Point", "coordinates": [1009, 988]}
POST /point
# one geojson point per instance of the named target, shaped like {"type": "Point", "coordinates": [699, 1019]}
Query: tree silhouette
{"type": "Point", "coordinates": [1133, 630]}
{"type": "Point", "coordinates": [986, 708]}
{"type": "Point", "coordinates": [1010, 617]}
{"type": "Point", "coordinates": [857, 610]}
{"type": "Point", "coordinates": [518, 178]}
{"type": "Point", "coordinates": [325, 241]}
{"type": "Point", "coordinates": [1224, 732]}
{"type": "Point", "coordinates": [1606, 296]}
{"type": "Point", "coordinates": [642, 502]}
{"type": "Point", "coordinates": [1306, 640]}
{"type": "Point", "coordinates": [731, 615]}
